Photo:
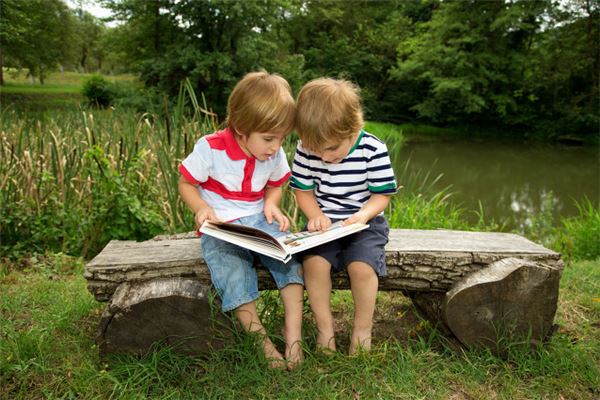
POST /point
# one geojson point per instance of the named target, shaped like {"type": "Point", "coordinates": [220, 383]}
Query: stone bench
{"type": "Point", "coordinates": [478, 286]}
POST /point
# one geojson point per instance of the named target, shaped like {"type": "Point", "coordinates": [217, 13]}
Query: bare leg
{"type": "Point", "coordinates": [363, 283]}
{"type": "Point", "coordinates": [292, 296]}
{"type": "Point", "coordinates": [317, 280]}
{"type": "Point", "coordinates": [248, 317]}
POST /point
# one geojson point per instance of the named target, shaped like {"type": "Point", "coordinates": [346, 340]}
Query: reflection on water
{"type": "Point", "coordinates": [512, 181]}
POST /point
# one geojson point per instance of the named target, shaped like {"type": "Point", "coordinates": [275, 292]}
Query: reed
{"type": "Point", "coordinates": [72, 180]}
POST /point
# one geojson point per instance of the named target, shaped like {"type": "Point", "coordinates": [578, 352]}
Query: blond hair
{"type": "Point", "coordinates": [328, 110]}
{"type": "Point", "coordinates": [261, 102]}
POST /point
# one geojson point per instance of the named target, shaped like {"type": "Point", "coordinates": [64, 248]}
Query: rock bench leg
{"type": "Point", "coordinates": [175, 311]}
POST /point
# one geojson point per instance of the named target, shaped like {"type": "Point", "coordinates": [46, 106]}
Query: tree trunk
{"type": "Point", "coordinates": [511, 301]}
{"type": "Point", "coordinates": [174, 311]}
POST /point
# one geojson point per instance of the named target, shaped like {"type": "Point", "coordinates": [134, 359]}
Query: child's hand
{"type": "Point", "coordinates": [272, 212]}
{"type": "Point", "coordinates": [359, 217]}
{"type": "Point", "coordinates": [319, 223]}
{"type": "Point", "coordinates": [203, 214]}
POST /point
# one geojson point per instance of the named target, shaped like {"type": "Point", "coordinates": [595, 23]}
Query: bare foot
{"type": "Point", "coordinates": [326, 343]}
{"type": "Point", "coordinates": [293, 354]}
{"type": "Point", "coordinates": [359, 343]}
{"type": "Point", "coordinates": [272, 355]}
{"type": "Point", "coordinates": [293, 348]}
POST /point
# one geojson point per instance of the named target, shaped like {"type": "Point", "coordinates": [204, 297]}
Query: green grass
{"type": "Point", "coordinates": [61, 90]}
{"type": "Point", "coordinates": [46, 89]}
{"type": "Point", "coordinates": [47, 350]}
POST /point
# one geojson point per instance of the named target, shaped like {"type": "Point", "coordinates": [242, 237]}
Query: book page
{"type": "Point", "coordinates": [247, 237]}
{"type": "Point", "coordinates": [300, 241]}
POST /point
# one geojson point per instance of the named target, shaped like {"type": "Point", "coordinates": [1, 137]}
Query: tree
{"type": "Point", "coordinates": [356, 40]}
{"type": "Point", "coordinates": [88, 31]}
{"type": "Point", "coordinates": [563, 71]}
{"type": "Point", "coordinates": [35, 34]}
{"type": "Point", "coordinates": [468, 61]}
{"type": "Point", "coordinates": [212, 43]}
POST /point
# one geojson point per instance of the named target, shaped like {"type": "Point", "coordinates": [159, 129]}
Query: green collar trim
{"type": "Point", "coordinates": [360, 135]}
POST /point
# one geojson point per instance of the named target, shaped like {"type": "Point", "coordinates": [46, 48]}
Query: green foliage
{"type": "Point", "coordinates": [124, 205]}
{"type": "Point", "coordinates": [580, 236]}
{"type": "Point", "coordinates": [35, 34]}
{"type": "Point", "coordinates": [468, 60]}
{"type": "Point", "coordinates": [79, 179]}
{"type": "Point", "coordinates": [524, 67]}
{"type": "Point", "coordinates": [99, 91]}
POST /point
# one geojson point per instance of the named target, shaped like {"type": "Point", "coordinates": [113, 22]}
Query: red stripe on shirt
{"type": "Point", "coordinates": [188, 177]}
{"type": "Point", "coordinates": [280, 181]}
{"type": "Point", "coordinates": [217, 187]}
{"type": "Point", "coordinates": [248, 172]}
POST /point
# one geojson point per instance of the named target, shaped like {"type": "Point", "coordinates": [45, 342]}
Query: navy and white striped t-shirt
{"type": "Point", "coordinates": [342, 189]}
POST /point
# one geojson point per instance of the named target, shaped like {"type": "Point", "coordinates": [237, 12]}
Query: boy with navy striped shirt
{"type": "Point", "coordinates": [341, 172]}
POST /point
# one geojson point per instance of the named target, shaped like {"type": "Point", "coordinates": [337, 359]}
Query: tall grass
{"type": "Point", "coordinates": [75, 180]}
{"type": "Point", "coordinates": [579, 237]}
{"type": "Point", "coordinates": [71, 180]}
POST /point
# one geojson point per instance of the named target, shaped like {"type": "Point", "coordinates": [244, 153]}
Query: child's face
{"type": "Point", "coordinates": [261, 145]}
{"type": "Point", "coordinates": [334, 152]}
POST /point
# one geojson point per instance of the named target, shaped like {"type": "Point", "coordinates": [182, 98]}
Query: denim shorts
{"type": "Point", "coordinates": [367, 246]}
{"type": "Point", "coordinates": [231, 267]}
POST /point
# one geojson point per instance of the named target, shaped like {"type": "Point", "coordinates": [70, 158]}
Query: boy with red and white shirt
{"type": "Point", "coordinates": [236, 175]}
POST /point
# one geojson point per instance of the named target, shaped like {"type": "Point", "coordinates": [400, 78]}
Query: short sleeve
{"type": "Point", "coordinates": [302, 176]}
{"type": "Point", "coordinates": [196, 167]}
{"type": "Point", "coordinates": [380, 175]}
{"type": "Point", "coordinates": [281, 170]}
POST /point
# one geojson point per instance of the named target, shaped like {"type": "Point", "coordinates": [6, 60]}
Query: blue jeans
{"type": "Point", "coordinates": [231, 267]}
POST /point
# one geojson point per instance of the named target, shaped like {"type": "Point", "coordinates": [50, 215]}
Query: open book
{"type": "Point", "coordinates": [280, 248]}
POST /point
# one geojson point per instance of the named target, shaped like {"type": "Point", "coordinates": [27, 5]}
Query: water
{"type": "Point", "coordinates": [512, 181]}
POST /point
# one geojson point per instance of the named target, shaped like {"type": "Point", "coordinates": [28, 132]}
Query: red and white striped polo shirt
{"type": "Point", "coordinates": [231, 182]}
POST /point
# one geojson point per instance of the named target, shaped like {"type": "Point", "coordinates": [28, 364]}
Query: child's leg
{"type": "Point", "coordinates": [292, 296]}
{"type": "Point", "coordinates": [248, 317]}
{"type": "Point", "coordinates": [363, 283]}
{"type": "Point", "coordinates": [317, 279]}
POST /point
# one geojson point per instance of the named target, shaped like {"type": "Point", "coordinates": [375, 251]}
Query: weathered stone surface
{"type": "Point", "coordinates": [176, 312]}
{"type": "Point", "coordinates": [509, 300]}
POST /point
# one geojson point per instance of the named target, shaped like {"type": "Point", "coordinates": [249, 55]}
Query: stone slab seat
{"type": "Point", "coordinates": [480, 286]}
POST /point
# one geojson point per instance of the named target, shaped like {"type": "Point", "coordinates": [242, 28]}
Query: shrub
{"type": "Point", "coordinates": [99, 91]}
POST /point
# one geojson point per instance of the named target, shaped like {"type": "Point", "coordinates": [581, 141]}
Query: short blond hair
{"type": "Point", "coordinates": [261, 102]}
{"type": "Point", "coordinates": [328, 110]}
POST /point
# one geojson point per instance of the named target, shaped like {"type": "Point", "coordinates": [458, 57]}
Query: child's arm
{"type": "Point", "coordinates": [375, 205]}
{"type": "Point", "coordinates": [317, 221]}
{"type": "Point", "coordinates": [272, 212]}
{"type": "Point", "coordinates": [191, 197]}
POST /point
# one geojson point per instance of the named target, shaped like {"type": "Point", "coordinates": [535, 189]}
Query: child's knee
{"type": "Point", "coordinates": [361, 270]}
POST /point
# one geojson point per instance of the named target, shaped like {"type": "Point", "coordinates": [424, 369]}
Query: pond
{"type": "Point", "coordinates": [512, 181]}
